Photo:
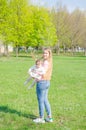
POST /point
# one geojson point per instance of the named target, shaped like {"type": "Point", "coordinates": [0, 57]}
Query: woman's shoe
{"type": "Point", "coordinates": [39, 120]}
{"type": "Point", "coordinates": [49, 119]}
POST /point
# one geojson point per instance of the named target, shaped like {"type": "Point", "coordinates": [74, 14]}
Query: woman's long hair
{"type": "Point", "coordinates": [50, 58]}
{"type": "Point", "coordinates": [50, 54]}
{"type": "Point", "coordinates": [41, 58]}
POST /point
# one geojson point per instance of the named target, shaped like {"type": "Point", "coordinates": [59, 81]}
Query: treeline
{"type": "Point", "coordinates": [22, 24]}
{"type": "Point", "coordinates": [70, 28]}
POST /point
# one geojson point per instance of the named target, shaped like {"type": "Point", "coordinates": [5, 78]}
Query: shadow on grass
{"type": "Point", "coordinates": [6, 109]}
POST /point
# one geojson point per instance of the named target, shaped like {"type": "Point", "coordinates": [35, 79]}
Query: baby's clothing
{"type": "Point", "coordinates": [36, 72]}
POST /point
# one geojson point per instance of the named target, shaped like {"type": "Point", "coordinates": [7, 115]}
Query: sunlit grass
{"type": "Point", "coordinates": [67, 95]}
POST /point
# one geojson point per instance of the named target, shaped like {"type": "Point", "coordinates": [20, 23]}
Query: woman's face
{"type": "Point", "coordinates": [45, 54]}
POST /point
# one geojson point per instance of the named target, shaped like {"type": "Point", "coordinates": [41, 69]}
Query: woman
{"type": "Point", "coordinates": [42, 88]}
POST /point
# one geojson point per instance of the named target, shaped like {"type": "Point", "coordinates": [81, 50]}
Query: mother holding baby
{"type": "Point", "coordinates": [42, 88]}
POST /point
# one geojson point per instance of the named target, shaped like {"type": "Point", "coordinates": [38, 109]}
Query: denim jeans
{"type": "Point", "coordinates": [42, 88]}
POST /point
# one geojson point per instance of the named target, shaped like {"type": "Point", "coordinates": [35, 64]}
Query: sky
{"type": "Point", "coordinates": [71, 4]}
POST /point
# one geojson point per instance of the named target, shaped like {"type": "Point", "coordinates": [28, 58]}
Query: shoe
{"type": "Point", "coordinates": [49, 119]}
{"type": "Point", "coordinates": [39, 120]}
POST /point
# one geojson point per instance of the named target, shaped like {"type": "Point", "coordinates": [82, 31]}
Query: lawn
{"type": "Point", "coordinates": [67, 94]}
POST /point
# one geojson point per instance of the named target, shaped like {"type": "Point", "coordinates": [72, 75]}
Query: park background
{"type": "Point", "coordinates": [26, 28]}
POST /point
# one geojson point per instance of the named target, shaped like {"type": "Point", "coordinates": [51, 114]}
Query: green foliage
{"type": "Point", "coordinates": [44, 31]}
{"type": "Point", "coordinates": [18, 10]}
{"type": "Point", "coordinates": [4, 20]}
{"type": "Point", "coordinates": [26, 25]}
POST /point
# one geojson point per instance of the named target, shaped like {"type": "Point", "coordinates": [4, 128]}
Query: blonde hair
{"type": "Point", "coordinates": [48, 74]}
{"type": "Point", "coordinates": [50, 53]}
{"type": "Point", "coordinates": [41, 58]}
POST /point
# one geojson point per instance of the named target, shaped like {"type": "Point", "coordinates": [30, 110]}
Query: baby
{"type": "Point", "coordinates": [36, 72]}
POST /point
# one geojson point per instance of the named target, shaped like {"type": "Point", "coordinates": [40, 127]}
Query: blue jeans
{"type": "Point", "coordinates": [42, 88]}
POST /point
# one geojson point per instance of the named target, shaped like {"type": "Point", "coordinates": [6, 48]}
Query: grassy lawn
{"type": "Point", "coordinates": [67, 95]}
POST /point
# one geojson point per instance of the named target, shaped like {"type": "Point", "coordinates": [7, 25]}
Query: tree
{"type": "Point", "coordinates": [4, 24]}
{"type": "Point", "coordinates": [76, 29]}
{"type": "Point", "coordinates": [43, 33]}
{"type": "Point", "coordinates": [60, 18]}
{"type": "Point", "coordinates": [19, 22]}
{"type": "Point", "coordinates": [70, 28]}
{"type": "Point", "coordinates": [30, 25]}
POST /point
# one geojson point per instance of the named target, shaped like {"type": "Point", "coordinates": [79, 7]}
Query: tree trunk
{"type": "Point", "coordinates": [64, 48]}
{"type": "Point", "coordinates": [6, 50]}
{"type": "Point", "coordinates": [58, 48]}
{"type": "Point", "coordinates": [85, 51]}
{"type": "Point", "coordinates": [73, 50]}
{"type": "Point", "coordinates": [17, 51]}
{"type": "Point", "coordinates": [0, 52]}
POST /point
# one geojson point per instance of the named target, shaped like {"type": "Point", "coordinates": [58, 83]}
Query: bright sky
{"type": "Point", "coordinates": [71, 4]}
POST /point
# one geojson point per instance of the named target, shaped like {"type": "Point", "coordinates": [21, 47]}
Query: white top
{"type": "Point", "coordinates": [36, 72]}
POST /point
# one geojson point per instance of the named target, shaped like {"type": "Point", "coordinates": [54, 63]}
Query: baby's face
{"type": "Point", "coordinates": [38, 64]}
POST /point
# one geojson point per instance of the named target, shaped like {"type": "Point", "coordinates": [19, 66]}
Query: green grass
{"type": "Point", "coordinates": [67, 95]}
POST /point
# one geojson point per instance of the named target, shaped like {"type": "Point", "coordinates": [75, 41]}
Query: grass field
{"type": "Point", "coordinates": [67, 95]}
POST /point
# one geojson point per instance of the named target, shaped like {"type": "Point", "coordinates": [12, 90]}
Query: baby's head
{"type": "Point", "coordinates": [38, 63]}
